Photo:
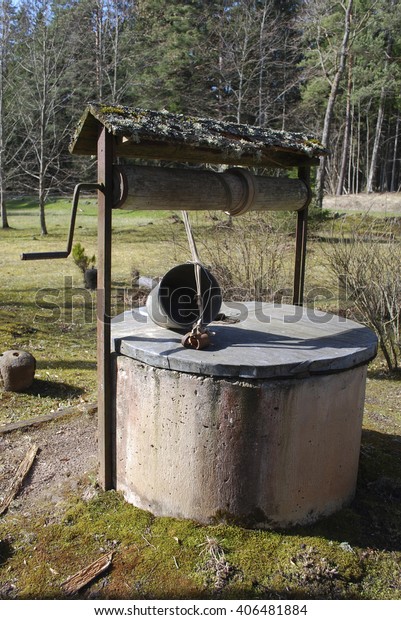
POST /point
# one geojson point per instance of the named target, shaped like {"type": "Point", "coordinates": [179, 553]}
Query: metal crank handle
{"type": "Point", "coordinates": [75, 200]}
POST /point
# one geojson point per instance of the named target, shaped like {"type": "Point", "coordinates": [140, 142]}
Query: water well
{"type": "Point", "coordinates": [262, 426]}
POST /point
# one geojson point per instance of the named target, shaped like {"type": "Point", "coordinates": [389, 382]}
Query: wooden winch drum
{"type": "Point", "coordinates": [234, 191]}
{"type": "Point", "coordinates": [173, 302]}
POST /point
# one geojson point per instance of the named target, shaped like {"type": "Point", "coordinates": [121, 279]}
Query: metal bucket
{"type": "Point", "coordinates": [172, 303]}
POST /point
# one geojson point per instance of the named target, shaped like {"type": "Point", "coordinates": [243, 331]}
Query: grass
{"type": "Point", "coordinates": [45, 308]}
{"type": "Point", "coordinates": [354, 554]}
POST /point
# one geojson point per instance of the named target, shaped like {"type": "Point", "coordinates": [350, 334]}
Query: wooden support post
{"type": "Point", "coordinates": [300, 243]}
{"type": "Point", "coordinates": [105, 202]}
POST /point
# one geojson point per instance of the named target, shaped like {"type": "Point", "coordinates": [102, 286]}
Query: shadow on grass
{"type": "Point", "coordinates": [53, 389]}
{"type": "Point", "coordinates": [65, 364]}
{"type": "Point", "coordinates": [6, 551]}
{"type": "Point", "coordinates": [373, 519]}
{"type": "Point", "coordinates": [384, 375]}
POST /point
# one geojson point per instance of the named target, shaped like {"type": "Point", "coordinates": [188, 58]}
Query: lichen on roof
{"type": "Point", "coordinates": [161, 128]}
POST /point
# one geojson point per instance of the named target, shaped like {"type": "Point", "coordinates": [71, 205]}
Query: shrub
{"type": "Point", "coordinates": [249, 255]}
{"type": "Point", "coordinates": [367, 263]}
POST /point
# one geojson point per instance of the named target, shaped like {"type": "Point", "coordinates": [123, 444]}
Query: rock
{"type": "Point", "coordinates": [17, 370]}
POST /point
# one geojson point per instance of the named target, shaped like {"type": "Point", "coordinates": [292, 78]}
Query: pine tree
{"type": "Point", "coordinates": [168, 65]}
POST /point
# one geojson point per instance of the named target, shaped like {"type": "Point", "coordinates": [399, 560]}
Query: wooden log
{"type": "Point", "coordinates": [19, 477]}
{"type": "Point", "coordinates": [86, 575]}
{"type": "Point", "coordinates": [234, 191]}
{"type": "Point", "coordinates": [48, 417]}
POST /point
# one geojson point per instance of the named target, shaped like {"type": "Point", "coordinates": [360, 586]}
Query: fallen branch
{"type": "Point", "coordinates": [86, 575]}
{"type": "Point", "coordinates": [16, 484]}
{"type": "Point", "coordinates": [48, 417]}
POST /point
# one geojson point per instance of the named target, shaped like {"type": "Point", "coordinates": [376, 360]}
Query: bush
{"type": "Point", "coordinates": [249, 255]}
{"type": "Point", "coordinates": [367, 263]}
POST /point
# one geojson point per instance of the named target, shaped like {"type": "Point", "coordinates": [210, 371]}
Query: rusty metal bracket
{"type": "Point", "coordinates": [300, 241]}
{"type": "Point", "coordinates": [75, 199]}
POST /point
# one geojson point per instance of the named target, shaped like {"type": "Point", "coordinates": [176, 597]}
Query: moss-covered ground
{"type": "Point", "coordinates": [355, 554]}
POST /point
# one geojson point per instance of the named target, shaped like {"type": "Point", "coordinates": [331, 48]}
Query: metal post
{"type": "Point", "coordinates": [300, 243]}
{"type": "Point", "coordinates": [105, 205]}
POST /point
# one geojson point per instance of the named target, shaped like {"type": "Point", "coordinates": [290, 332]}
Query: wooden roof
{"type": "Point", "coordinates": [148, 134]}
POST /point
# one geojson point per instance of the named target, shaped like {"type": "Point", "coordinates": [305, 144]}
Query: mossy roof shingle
{"type": "Point", "coordinates": [150, 134]}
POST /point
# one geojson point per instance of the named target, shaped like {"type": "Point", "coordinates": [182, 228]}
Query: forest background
{"type": "Point", "coordinates": [330, 69]}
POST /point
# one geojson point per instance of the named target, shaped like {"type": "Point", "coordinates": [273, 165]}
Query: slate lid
{"type": "Point", "coordinates": [149, 134]}
{"type": "Point", "coordinates": [266, 341]}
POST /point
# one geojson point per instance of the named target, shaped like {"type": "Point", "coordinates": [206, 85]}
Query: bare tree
{"type": "Point", "coordinates": [335, 83]}
{"type": "Point", "coordinates": [111, 19]}
{"type": "Point", "coordinates": [247, 38]}
{"type": "Point", "coordinates": [347, 132]}
{"type": "Point", "coordinates": [380, 117]}
{"type": "Point", "coordinates": [43, 61]}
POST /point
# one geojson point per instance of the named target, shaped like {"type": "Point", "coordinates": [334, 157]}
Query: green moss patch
{"type": "Point", "coordinates": [172, 558]}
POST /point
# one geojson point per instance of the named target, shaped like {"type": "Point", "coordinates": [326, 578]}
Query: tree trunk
{"type": "Point", "coordinates": [384, 161]}
{"type": "Point", "coordinates": [393, 184]}
{"type": "Point", "coordinates": [380, 117]}
{"type": "Point", "coordinates": [3, 44]}
{"type": "Point", "coordinates": [261, 113]}
{"type": "Point", "coordinates": [3, 207]}
{"type": "Point", "coordinates": [358, 153]}
{"type": "Point", "coordinates": [241, 78]}
{"type": "Point", "coordinates": [375, 151]}
{"type": "Point", "coordinates": [347, 133]}
{"type": "Point", "coordinates": [367, 141]}
{"type": "Point", "coordinates": [116, 56]}
{"type": "Point", "coordinates": [321, 173]}
{"type": "Point", "coordinates": [99, 48]}
{"type": "Point", "coordinates": [42, 141]}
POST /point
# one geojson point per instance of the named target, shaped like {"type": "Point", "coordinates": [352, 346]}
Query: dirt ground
{"type": "Point", "coordinates": [66, 461]}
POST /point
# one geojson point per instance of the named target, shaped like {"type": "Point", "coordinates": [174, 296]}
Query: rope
{"type": "Point", "coordinates": [198, 266]}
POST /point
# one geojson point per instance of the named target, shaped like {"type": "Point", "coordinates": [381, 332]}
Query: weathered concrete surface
{"type": "Point", "coordinates": [264, 452]}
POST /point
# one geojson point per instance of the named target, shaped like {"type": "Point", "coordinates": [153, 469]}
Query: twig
{"type": "Point", "coordinates": [16, 484]}
{"type": "Point", "coordinates": [86, 575]}
{"type": "Point", "coordinates": [149, 543]}
{"type": "Point", "coordinates": [14, 426]}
